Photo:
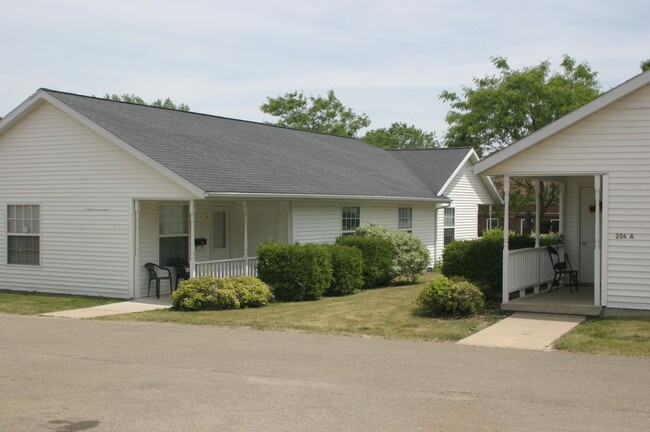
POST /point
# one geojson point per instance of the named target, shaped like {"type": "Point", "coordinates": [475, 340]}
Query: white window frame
{"type": "Point", "coordinates": [405, 222]}
{"type": "Point", "coordinates": [344, 227]}
{"type": "Point", "coordinates": [25, 232]}
{"type": "Point", "coordinates": [489, 225]}
{"type": "Point", "coordinates": [448, 226]}
{"type": "Point", "coordinates": [521, 226]}
{"type": "Point", "coordinates": [173, 234]}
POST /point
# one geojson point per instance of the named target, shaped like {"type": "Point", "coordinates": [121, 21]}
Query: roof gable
{"type": "Point", "coordinates": [601, 102]}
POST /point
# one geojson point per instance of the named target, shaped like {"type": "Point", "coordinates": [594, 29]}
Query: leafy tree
{"type": "Point", "coordinates": [645, 65]}
{"type": "Point", "coordinates": [401, 136]}
{"type": "Point", "coordinates": [131, 98]}
{"type": "Point", "coordinates": [317, 114]}
{"type": "Point", "coordinates": [502, 109]}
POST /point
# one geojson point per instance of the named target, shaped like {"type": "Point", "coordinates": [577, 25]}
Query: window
{"type": "Point", "coordinates": [527, 226]}
{"type": "Point", "coordinates": [405, 218]}
{"type": "Point", "coordinates": [492, 223]}
{"type": "Point", "coordinates": [450, 225]}
{"type": "Point", "coordinates": [173, 231]}
{"type": "Point", "coordinates": [24, 234]}
{"type": "Point", "coordinates": [350, 219]}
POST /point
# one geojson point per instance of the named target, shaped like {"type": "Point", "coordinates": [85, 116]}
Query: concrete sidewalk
{"type": "Point", "coordinates": [524, 331]}
{"type": "Point", "coordinates": [131, 306]}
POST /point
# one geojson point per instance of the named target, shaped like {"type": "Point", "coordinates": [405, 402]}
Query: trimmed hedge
{"type": "Point", "coordinates": [445, 297]}
{"type": "Point", "coordinates": [210, 293]}
{"type": "Point", "coordinates": [378, 256]}
{"type": "Point", "coordinates": [306, 272]}
{"type": "Point", "coordinates": [347, 270]}
{"type": "Point", "coordinates": [295, 272]}
{"type": "Point", "coordinates": [481, 260]}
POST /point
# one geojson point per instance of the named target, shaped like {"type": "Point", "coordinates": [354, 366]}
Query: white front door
{"type": "Point", "coordinates": [587, 234]}
{"type": "Point", "coordinates": [221, 232]}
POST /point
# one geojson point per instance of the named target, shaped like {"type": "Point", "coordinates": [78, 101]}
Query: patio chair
{"type": "Point", "coordinates": [562, 269]}
{"type": "Point", "coordinates": [182, 269]}
{"type": "Point", "coordinates": [153, 270]}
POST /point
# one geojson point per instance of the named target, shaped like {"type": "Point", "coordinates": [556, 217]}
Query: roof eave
{"type": "Point", "coordinates": [255, 195]}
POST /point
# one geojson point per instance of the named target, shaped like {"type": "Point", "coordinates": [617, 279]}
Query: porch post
{"type": "Point", "coordinates": [192, 245]}
{"type": "Point", "coordinates": [597, 242]}
{"type": "Point", "coordinates": [560, 229]}
{"type": "Point", "coordinates": [506, 231]}
{"type": "Point", "coordinates": [538, 213]}
{"type": "Point", "coordinates": [245, 209]}
{"type": "Point", "coordinates": [136, 259]}
{"type": "Point", "coordinates": [489, 225]}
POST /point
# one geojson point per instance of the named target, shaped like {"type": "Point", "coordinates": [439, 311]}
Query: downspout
{"type": "Point", "coordinates": [506, 231]}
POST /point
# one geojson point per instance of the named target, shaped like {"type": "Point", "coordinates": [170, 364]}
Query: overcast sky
{"type": "Point", "coordinates": [389, 59]}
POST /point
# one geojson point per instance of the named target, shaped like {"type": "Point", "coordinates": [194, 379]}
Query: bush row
{"type": "Point", "coordinates": [210, 293]}
{"type": "Point", "coordinates": [307, 272]}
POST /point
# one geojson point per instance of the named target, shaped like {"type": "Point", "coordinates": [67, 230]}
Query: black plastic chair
{"type": "Point", "coordinates": [182, 269]}
{"type": "Point", "coordinates": [562, 269]}
{"type": "Point", "coordinates": [153, 275]}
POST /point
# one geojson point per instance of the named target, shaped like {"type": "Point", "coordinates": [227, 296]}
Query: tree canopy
{"type": "Point", "coordinates": [645, 65]}
{"type": "Point", "coordinates": [401, 136]}
{"type": "Point", "coordinates": [315, 113]}
{"type": "Point", "coordinates": [131, 98]}
{"type": "Point", "coordinates": [501, 109]}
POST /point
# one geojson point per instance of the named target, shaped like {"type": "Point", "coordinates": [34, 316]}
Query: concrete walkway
{"type": "Point", "coordinates": [131, 306]}
{"type": "Point", "coordinates": [524, 331]}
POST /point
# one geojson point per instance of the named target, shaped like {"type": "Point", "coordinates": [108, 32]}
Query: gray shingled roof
{"type": "Point", "coordinates": [432, 166]}
{"type": "Point", "coordinates": [225, 155]}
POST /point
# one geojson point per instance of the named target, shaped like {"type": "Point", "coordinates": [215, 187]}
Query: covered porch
{"type": "Point", "coordinates": [216, 237]}
{"type": "Point", "coordinates": [528, 273]}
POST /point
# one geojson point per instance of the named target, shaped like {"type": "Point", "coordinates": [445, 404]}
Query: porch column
{"type": "Point", "coordinates": [506, 231]}
{"type": "Point", "coordinates": [489, 225]}
{"type": "Point", "coordinates": [136, 258]}
{"type": "Point", "coordinates": [597, 242]}
{"type": "Point", "coordinates": [560, 229]}
{"type": "Point", "coordinates": [245, 209]}
{"type": "Point", "coordinates": [192, 245]}
{"type": "Point", "coordinates": [538, 211]}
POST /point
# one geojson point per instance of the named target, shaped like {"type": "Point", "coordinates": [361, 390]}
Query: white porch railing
{"type": "Point", "coordinates": [530, 267]}
{"type": "Point", "coordinates": [226, 268]}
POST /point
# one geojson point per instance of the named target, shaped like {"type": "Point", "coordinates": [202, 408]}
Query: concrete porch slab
{"type": "Point", "coordinates": [524, 331]}
{"type": "Point", "coordinates": [131, 306]}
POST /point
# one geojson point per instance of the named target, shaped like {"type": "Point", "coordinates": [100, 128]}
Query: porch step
{"type": "Point", "coordinates": [561, 309]}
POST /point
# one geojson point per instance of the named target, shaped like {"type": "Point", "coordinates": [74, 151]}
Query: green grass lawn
{"type": "Point", "coordinates": [609, 336]}
{"type": "Point", "coordinates": [388, 312]}
{"type": "Point", "coordinates": [32, 303]}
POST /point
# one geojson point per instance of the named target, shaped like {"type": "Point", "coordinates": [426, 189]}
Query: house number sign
{"type": "Point", "coordinates": [624, 236]}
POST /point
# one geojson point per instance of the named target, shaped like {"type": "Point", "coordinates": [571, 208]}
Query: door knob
{"type": "Point", "coordinates": [584, 243]}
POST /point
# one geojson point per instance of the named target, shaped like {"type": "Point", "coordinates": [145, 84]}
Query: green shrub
{"type": "Point", "coordinates": [378, 256]}
{"type": "Point", "coordinates": [411, 254]}
{"type": "Point", "coordinates": [251, 292]}
{"type": "Point", "coordinates": [444, 297]}
{"type": "Point", "coordinates": [295, 272]}
{"type": "Point", "coordinates": [347, 270]}
{"type": "Point", "coordinates": [210, 293]}
{"type": "Point", "coordinates": [481, 260]}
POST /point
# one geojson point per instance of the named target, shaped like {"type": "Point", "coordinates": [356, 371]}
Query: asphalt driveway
{"type": "Point", "coordinates": [73, 375]}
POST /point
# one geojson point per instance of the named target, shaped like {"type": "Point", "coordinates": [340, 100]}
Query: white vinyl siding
{"type": "Point", "coordinates": [466, 192]}
{"type": "Point", "coordinates": [85, 186]}
{"type": "Point", "coordinates": [614, 141]}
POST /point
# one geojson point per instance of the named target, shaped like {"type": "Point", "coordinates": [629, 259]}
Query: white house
{"type": "Point", "coordinates": [601, 155]}
{"type": "Point", "coordinates": [92, 189]}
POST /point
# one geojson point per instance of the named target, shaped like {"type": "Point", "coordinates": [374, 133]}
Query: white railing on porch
{"type": "Point", "coordinates": [530, 267]}
{"type": "Point", "coordinates": [226, 268]}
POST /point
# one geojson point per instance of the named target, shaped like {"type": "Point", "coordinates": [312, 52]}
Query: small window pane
{"type": "Point", "coordinates": [449, 235]}
{"type": "Point", "coordinates": [405, 221]}
{"type": "Point", "coordinates": [350, 218]}
{"type": "Point", "coordinates": [450, 216]}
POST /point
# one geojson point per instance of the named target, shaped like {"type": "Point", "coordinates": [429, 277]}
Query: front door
{"type": "Point", "coordinates": [221, 232]}
{"type": "Point", "coordinates": [587, 234]}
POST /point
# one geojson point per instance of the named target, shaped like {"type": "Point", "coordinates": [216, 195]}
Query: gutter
{"type": "Point", "coordinates": [248, 195]}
